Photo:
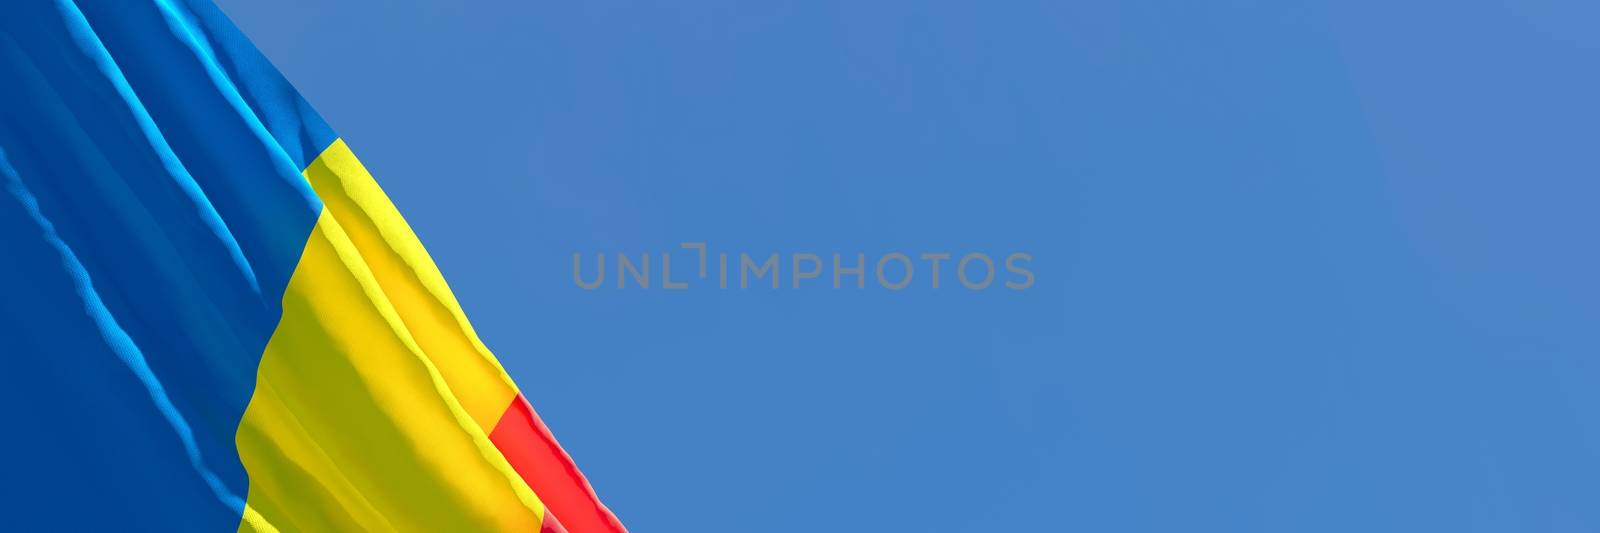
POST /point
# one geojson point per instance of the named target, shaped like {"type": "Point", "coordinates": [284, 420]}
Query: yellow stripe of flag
{"type": "Point", "coordinates": [374, 397]}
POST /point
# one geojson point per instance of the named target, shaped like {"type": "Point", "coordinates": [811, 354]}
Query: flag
{"type": "Point", "coordinates": [211, 316]}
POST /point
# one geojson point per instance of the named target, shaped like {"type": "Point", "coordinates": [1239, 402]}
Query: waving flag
{"type": "Point", "coordinates": [212, 318]}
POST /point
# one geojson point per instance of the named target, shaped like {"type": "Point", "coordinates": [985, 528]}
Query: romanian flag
{"type": "Point", "coordinates": [212, 318]}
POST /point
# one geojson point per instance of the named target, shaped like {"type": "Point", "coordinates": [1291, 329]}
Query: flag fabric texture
{"type": "Point", "coordinates": [212, 318]}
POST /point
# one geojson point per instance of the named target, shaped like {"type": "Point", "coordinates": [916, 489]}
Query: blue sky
{"type": "Point", "coordinates": [1301, 266]}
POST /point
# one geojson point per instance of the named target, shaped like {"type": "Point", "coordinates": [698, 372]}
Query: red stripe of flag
{"type": "Point", "coordinates": [534, 453]}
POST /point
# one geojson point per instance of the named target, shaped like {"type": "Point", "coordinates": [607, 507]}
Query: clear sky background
{"type": "Point", "coordinates": [1301, 266]}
